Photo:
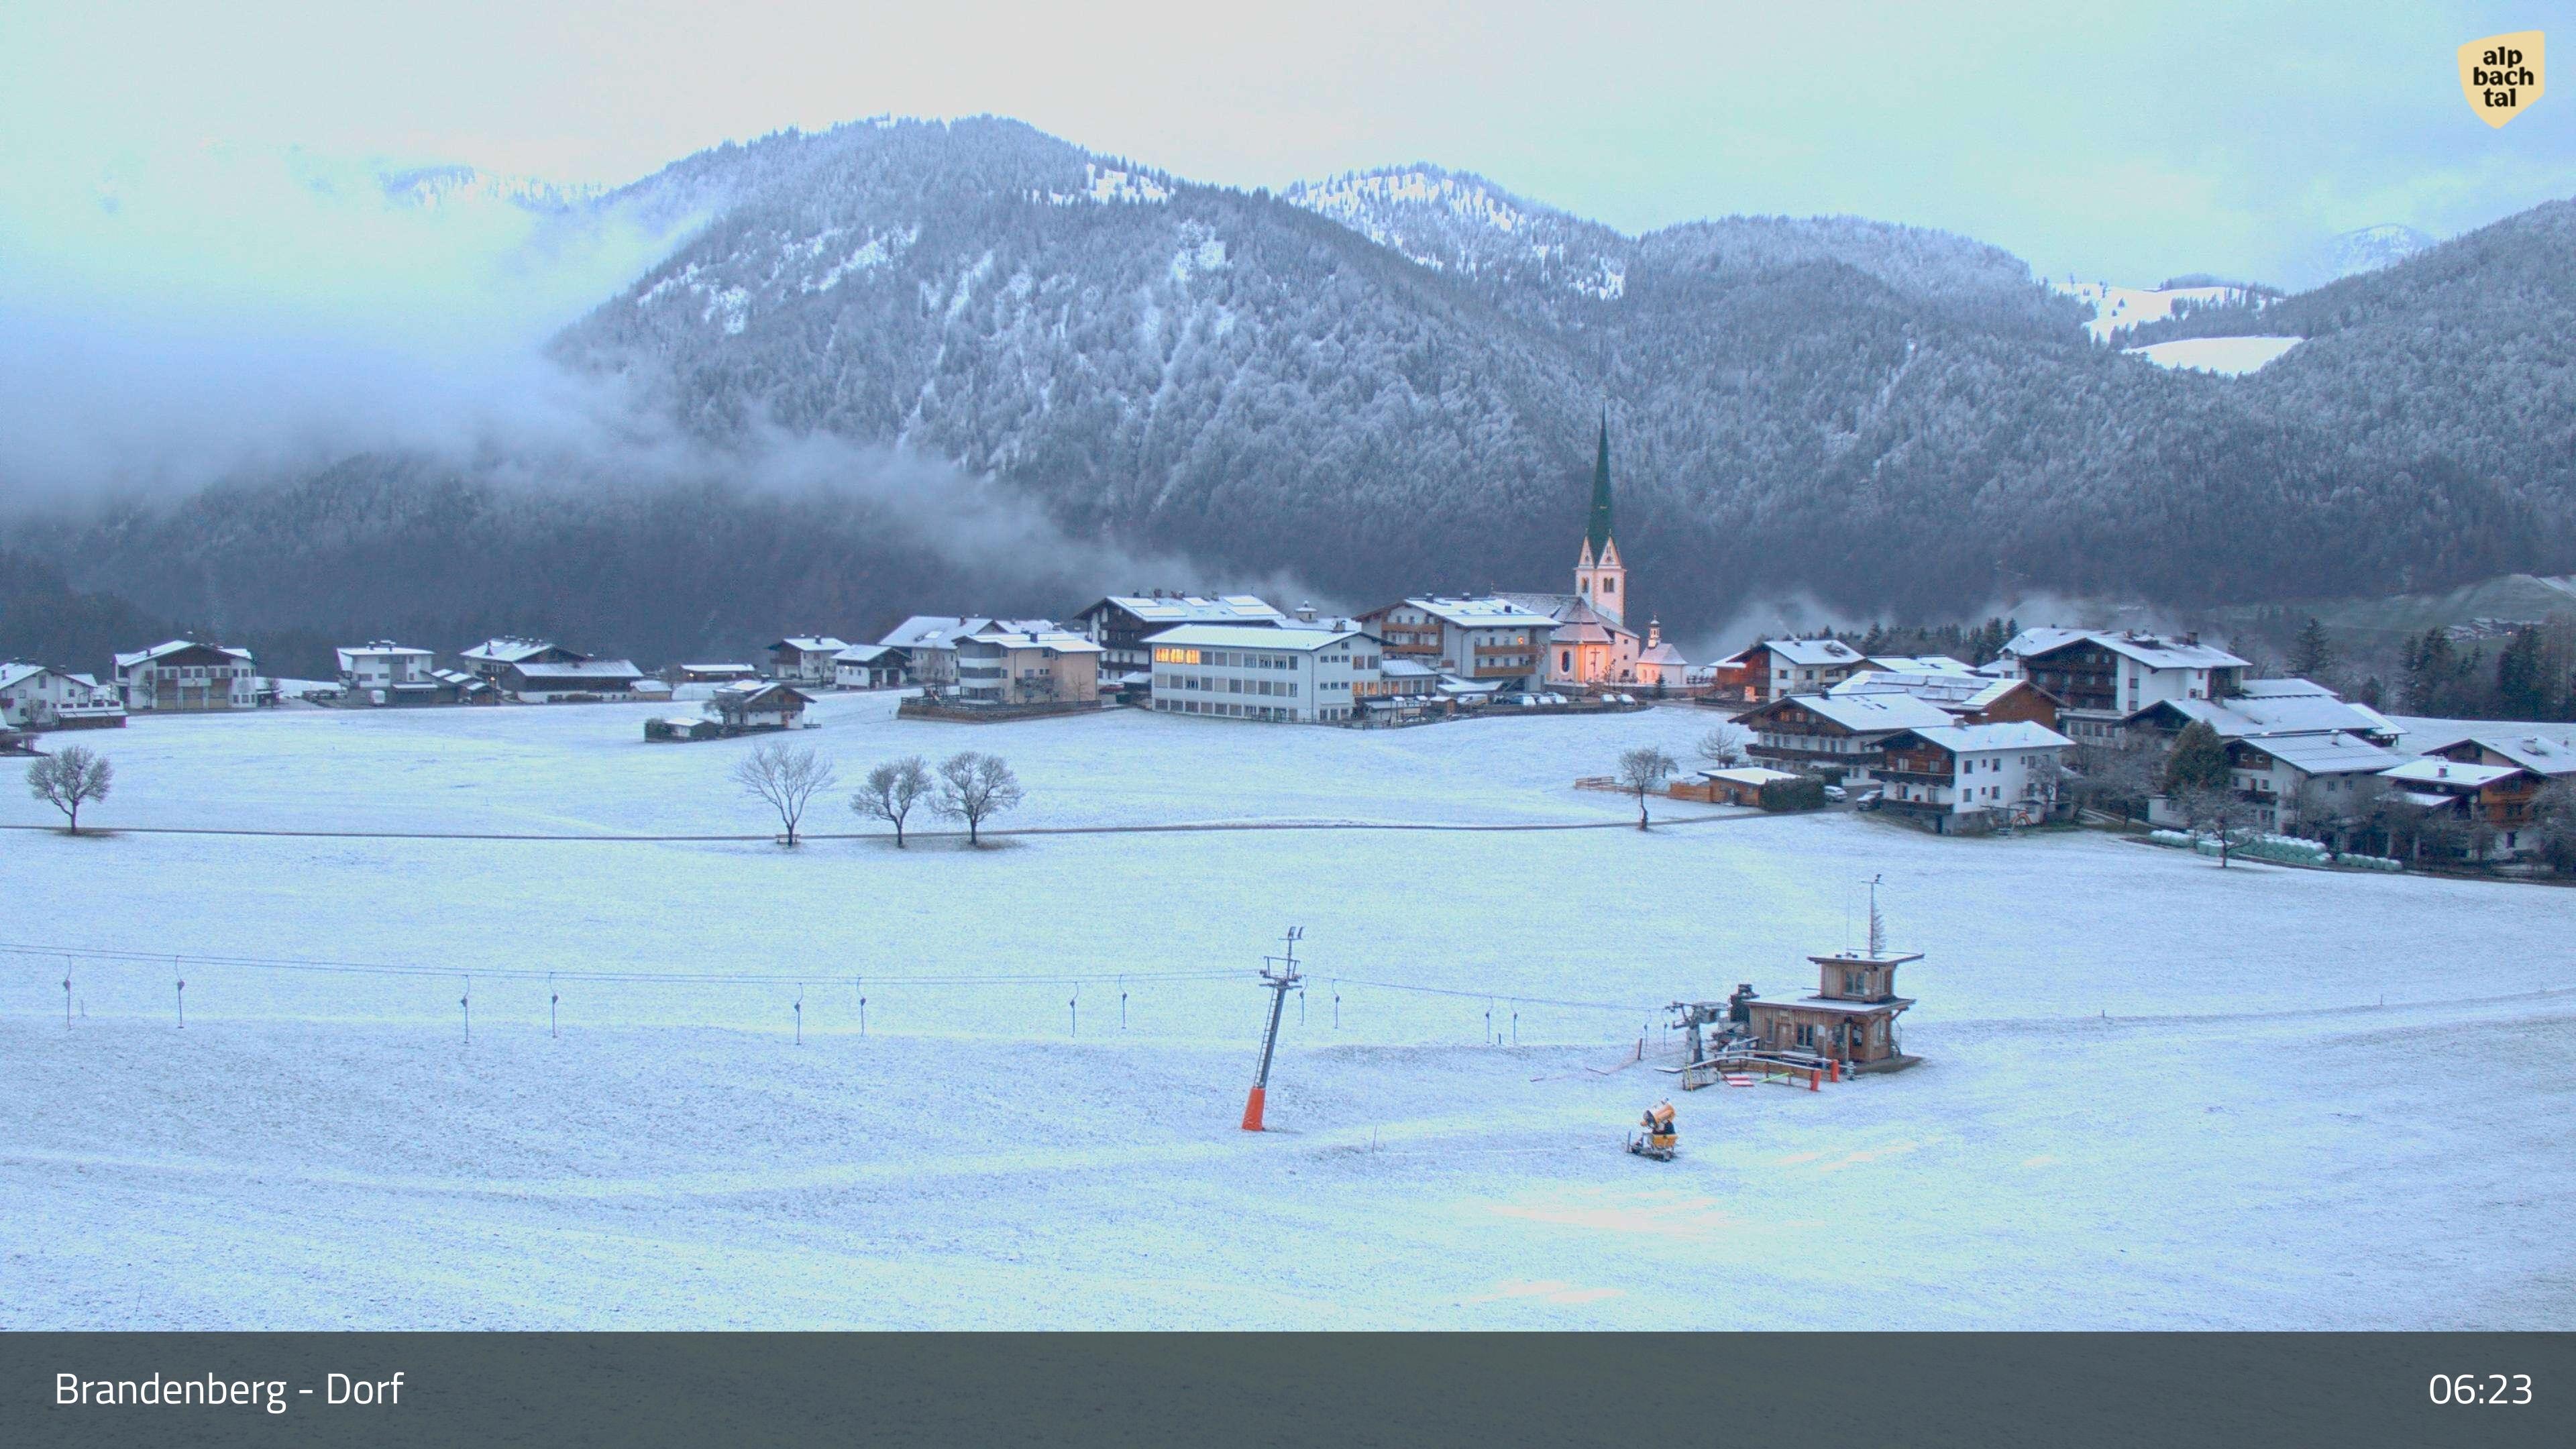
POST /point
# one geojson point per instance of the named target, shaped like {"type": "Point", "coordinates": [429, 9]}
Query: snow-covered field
{"type": "Point", "coordinates": [2157, 1093]}
{"type": "Point", "coordinates": [2226, 356]}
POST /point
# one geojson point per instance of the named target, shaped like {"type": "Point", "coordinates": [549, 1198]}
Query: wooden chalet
{"type": "Point", "coordinates": [1851, 1018]}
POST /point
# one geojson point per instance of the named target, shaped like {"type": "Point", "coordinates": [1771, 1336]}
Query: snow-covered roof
{"type": "Point", "coordinates": [1864, 713]}
{"type": "Point", "coordinates": [380, 650]}
{"type": "Point", "coordinates": [581, 669]}
{"type": "Point", "coordinates": [2239, 717]}
{"type": "Point", "coordinates": [747, 690]}
{"type": "Point", "coordinates": [1664, 654]}
{"type": "Point", "coordinates": [1948, 689]}
{"type": "Point", "coordinates": [933, 631]}
{"type": "Point", "coordinates": [2439, 772]}
{"type": "Point", "coordinates": [2156, 651]}
{"type": "Point", "coordinates": [2326, 752]}
{"type": "Point", "coordinates": [1059, 640]}
{"type": "Point", "coordinates": [510, 649]}
{"type": "Point", "coordinates": [1812, 651]}
{"type": "Point", "coordinates": [1397, 667]}
{"type": "Point", "coordinates": [2281, 688]}
{"type": "Point", "coordinates": [14, 673]}
{"type": "Point", "coordinates": [1490, 612]}
{"type": "Point", "coordinates": [1749, 775]}
{"type": "Point", "coordinates": [1920, 664]}
{"type": "Point", "coordinates": [176, 646]}
{"type": "Point", "coordinates": [1983, 739]}
{"type": "Point", "coordinates": [860, 653]}
{"type": "Point", "coordinates": [1571, 611]}
{"type": "Point", "coordinates": [2539, 754]}
{"type": "Point", "coordinates": [1252, 636]}
{"type": "Point", "coordinates": [811, 643]}
{"type": "Point", "coordinates": [1194, 608]}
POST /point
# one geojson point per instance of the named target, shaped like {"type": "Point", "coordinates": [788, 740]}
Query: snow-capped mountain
{"type": "Point", "coordinates": [2373, 247]}
{"type": "Point", "coordinates": [1393, 380]}
{"type": "Point", "coordinates": [433, 187]}
{"type": "Point", "coordinates": [1453, 221]}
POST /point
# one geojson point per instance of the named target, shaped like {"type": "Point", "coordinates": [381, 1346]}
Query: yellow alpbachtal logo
{"type": "Point", "coordinates": [2501, 75]}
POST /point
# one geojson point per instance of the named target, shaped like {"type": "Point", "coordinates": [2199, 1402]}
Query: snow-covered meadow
{"type": "Point", "coordinates": [2157, 1093]}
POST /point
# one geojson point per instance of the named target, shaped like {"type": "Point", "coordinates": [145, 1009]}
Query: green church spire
{"type": "Point", "coordinates": [1597, 533]}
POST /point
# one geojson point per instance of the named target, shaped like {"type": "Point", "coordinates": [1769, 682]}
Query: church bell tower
{"type": "Point", "coordinates": [1599, 578]}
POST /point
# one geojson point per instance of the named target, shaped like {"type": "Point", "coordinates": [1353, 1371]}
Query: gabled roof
{"type": "Point", "coordinates": [932, 631]}
{"type": "Point", "coordinates": [1663, 653]}
{"type": "Point", "coordinates": [13, 673]}
{"type": "Point", "coordinates": [2239, 717]}
{"type": "Point", "coordinates": [811, 644]}
{"type": "Point", "coordinates": [2540, 754]}
{"type": "Point", "coordinates": [1812, 651]}
{"type": "Point", "coordinates": [2328, 752]}
{"type": "Point", "coordinates": [509, 649]}
{"type": "Point", "coordinates": [2439, 773]}
{"type": "Point", "coordinates": [1062, 641]}
{"type": "Point", "coordinates": [382, 649]}
{"type": "Point", "coordinates": [2156, 651]}
{"type": "Point", "coordinates": [1193, 608]}
{"type": "Point", "coordinates": [864, 653]}
{"type": "Point", "coordinates": [1570, 610]}
{"type": "Point", "coordinates": [592, 670]}
{"type": "Point", "coordinates": [1490, 612]}
{"type": "Point", "coordinates": [1979, 739]}
{"type": "Point", "coordinates": [1860, 713]}
{"type": "Point", "coordinates": [176, 646]}
{"type": "Point", "coordinates": [745, 692]}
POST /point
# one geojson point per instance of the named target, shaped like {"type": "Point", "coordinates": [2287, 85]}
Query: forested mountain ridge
{"type": "Point", "coordinates": [1390, 380]}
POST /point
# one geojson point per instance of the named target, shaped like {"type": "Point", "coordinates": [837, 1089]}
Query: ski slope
{"type": "Point", "coordinates": [2156, 1093]}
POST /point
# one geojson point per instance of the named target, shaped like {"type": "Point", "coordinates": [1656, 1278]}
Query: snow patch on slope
{"type": "Point", "coordinates": [2118, 307]}
{"type": "Point", "coordinates": [2226, 356]}
{"type": "Point", "coordinates": [1103, 185]}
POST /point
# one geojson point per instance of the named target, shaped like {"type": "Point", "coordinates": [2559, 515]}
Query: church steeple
{"type": "Point", "coordinates": [1597, 533]}
{"type": "Point", "coordinates": [1599, 578]}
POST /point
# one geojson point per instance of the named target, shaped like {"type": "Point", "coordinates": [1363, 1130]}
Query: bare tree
{"type": "Point", "coordinates": [2115, 776]}
{"type": "Point", "coordinates": [1724, 746]}
{"type": "Point", "coordinates": [786, 778]}
{"type": "Point", "coordinates": [975, 787]}
{"type": "Point", "coordinates": [891, 791]}
{"type": "Point", "coordinates": [70, 779]}
{"type": "Point", "coordinates": [1642, 771]}
{"type": "Point", "coordinates": [2218, 810]}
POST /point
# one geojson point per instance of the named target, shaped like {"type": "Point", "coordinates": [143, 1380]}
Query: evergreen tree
{"type": "Point", "coordinates": [2198, 761]}
{"type": "Point", "coordinates": [2522, 678]}
{"type": "Point", "coordinates": [2311, 654]}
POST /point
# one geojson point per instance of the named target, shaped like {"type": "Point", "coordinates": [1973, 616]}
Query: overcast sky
{"type": "Point", "coordinates": [2121, 140]}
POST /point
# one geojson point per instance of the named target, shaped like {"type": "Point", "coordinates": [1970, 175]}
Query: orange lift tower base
{"type": "Point", "coordinates": [1279, 981]}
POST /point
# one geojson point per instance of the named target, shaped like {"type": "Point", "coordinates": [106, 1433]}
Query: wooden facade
{"type": "Point", "coordinates": [1851, 1018]}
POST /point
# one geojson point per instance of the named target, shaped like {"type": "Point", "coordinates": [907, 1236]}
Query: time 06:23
{"type": "Point", "coordinates": [2480, 1388]}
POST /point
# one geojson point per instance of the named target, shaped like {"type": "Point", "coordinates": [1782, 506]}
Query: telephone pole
{"type": "Point", "coordinates": [1280, 974]}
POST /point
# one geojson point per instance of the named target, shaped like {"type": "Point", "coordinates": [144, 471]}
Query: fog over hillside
{"type": "Point", "coordinates": [823, 379]}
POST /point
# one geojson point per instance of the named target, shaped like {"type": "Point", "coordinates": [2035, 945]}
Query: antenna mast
{"type": "Point", "coordinates": [1877, 927]}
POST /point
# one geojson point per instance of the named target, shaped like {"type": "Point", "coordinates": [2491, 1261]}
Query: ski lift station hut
{"type": "Point", "coordinates": [1851, 1018]}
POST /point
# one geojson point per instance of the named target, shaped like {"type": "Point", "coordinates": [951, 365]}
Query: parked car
{"type": "Point", "coordinates": [1553, 698]}
{"type": "Point", "coordinates": [1837, 793]}
{"type": "Point", "coordinates": [1869, 799]}
{"type": "Point", "coordinates": [1529, 701]}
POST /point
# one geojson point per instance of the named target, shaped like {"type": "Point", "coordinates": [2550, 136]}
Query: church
{"type": "Point", "coordinates": [1593, 644]}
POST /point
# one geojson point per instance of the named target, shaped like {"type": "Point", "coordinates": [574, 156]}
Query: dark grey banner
{"type": "Point", "coordinates": [1638, 1392]}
